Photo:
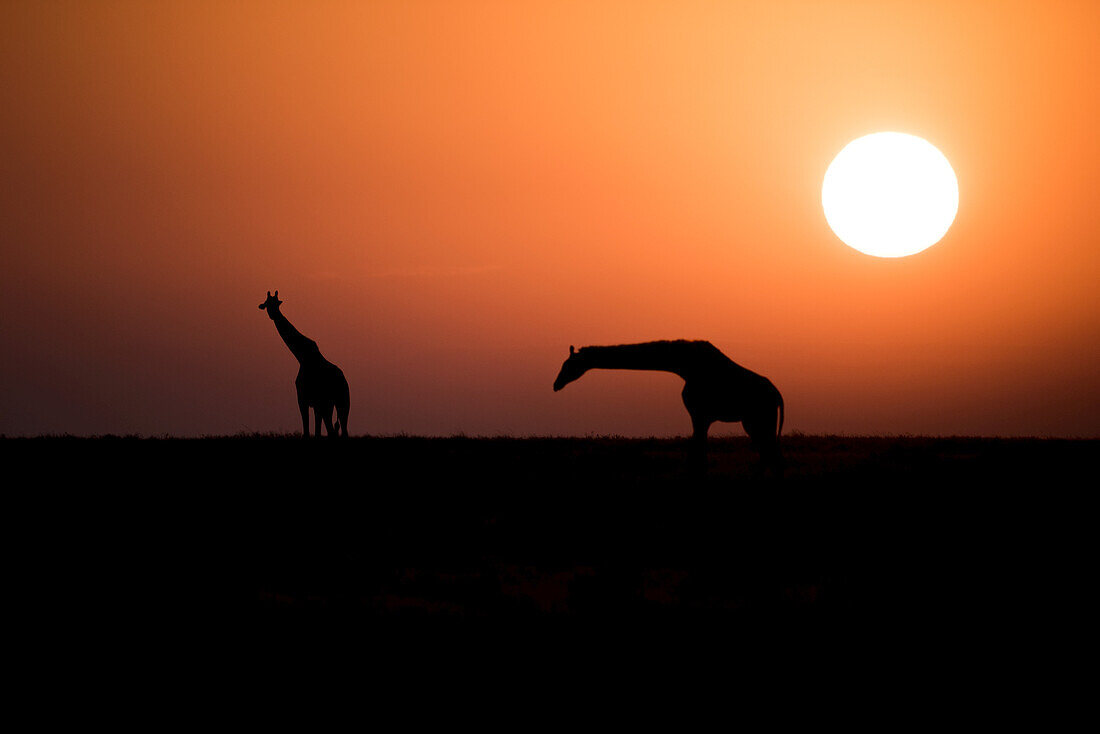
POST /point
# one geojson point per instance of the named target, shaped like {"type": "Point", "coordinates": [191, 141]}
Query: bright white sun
{"type": "Point", "coordinates": [890, 194]}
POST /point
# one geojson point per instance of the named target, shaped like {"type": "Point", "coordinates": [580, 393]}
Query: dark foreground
{"type": "Point", "coordinates": [275, 536]}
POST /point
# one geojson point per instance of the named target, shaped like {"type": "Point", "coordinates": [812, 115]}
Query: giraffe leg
{"type": "Point", "coordinates": [697, 451]}
{"type": "Point", "coordinates": [325, 411]}
{"type": "Point", "coordinates": [317, 421]}
{"type": "Point", "coordinates": [764, 440]}
{"type": "Point", "coordinates": [303, 408]}
{"type": "Point", "coordinates": [342, 416]}
{"type": "Point", "coordinates": [343, 404]}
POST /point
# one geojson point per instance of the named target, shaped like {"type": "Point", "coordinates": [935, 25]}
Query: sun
{"type": "Point", "coordinates": [890, 194]}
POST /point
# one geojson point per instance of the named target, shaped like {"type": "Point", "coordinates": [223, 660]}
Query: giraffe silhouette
{"type": "Point", "coordinates": [715, 389]}
{"type": "Point", "coordinates": [320, 384]}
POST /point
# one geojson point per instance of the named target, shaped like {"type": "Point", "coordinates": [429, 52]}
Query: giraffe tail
{"type": "Point", "coordinates": [779, 430]}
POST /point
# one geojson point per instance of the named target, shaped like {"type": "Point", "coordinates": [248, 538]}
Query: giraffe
{"type": "Point", "coordinates": [715, 389]}
{"type": "Point", "coordinates": [320, 384]}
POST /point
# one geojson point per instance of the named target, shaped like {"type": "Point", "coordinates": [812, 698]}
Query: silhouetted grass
{"type": "Point", "coordinates": [915, 532]}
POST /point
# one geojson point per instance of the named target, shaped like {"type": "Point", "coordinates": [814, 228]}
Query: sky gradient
{"type": "Point", "coordinates": [449, 194]}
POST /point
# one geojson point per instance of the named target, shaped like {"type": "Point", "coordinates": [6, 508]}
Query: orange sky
{"type": "Point", "coordinates": [449, 194]}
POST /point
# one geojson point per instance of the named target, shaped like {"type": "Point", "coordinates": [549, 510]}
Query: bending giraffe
{"type": "Point", "coordinates": [715, 388]}
{"type": "Point", "coordinates": [320, 384]}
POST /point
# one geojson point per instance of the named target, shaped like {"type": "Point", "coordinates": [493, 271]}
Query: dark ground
{"type": "Point", "coordinates": [262, 539]}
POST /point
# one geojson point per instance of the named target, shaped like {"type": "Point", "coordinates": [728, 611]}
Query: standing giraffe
{"type": "Point", "coordinates": [320, 384]}
{"type": "Point", "coordinates": [715, 388]}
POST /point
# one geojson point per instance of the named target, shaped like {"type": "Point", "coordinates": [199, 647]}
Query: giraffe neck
{"type": "Point", "coordinates": [681, 358]}
{"type": "Point", "coordinates": [303, 348]}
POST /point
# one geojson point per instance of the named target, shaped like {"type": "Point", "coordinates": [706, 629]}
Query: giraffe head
{"type": "Point", "coordinates": [271, 305]}
{"type": "Point", "coordinates": [571, 369]}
